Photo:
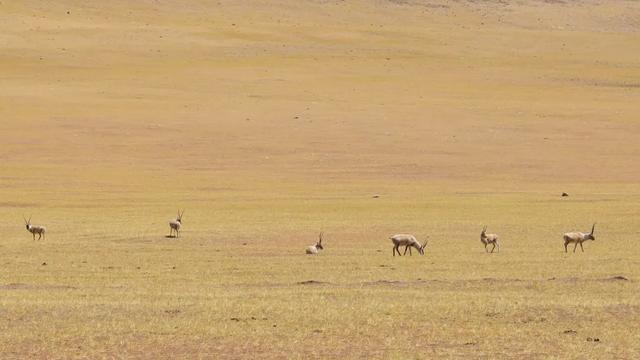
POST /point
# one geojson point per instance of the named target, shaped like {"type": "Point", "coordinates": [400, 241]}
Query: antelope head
{"type": "Point", "coordinates": [27, 223]}
{"type": "Point", "coordinates": [421, 248]}
{"type": "Point", "coordinates": [319, 243]}
{"type": "Point", "coordinates": [179, 218]}
{"type": "Point", "coordinates": [590, 235]}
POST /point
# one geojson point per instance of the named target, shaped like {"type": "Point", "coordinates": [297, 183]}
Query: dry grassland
{"type": "Point", "coordinates": [271, 120]}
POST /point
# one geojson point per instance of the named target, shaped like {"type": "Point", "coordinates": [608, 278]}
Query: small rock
{"type": "Point", "coordinates": [569, 332]}
{"type": "Point", "coordinates": [375, 196]}
{"type": "Point", "coordinates": [44, 264]}
{"type": "Point", "coordinates": [564, 194]}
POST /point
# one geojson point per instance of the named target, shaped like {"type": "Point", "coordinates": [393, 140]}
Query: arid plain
{"type": "Point", "coordinates": [269, 121]}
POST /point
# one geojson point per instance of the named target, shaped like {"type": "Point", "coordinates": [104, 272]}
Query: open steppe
{"type": "Point", "coordinates": [268, 121]}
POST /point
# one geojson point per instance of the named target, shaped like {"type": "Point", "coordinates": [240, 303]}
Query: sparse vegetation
{"type": "Point", "coordinates": [271, 120]}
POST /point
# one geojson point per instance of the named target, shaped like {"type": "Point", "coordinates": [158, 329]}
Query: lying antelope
{"type": "Point", "coordinates": [578, 238]}
{"type": "Point", "coordinates": [175, 225]}
{"type": "Point", "coordinates": [313, 249]}
{"type": "Point", "coordinates": [489, 239]}
{"type": "Point", "coordinates": [35, 229]}
{"type": "Point", "coordinates": [408, 241]}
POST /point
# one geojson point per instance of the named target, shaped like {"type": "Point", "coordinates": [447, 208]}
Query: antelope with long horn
{"type": "Point", "coordinates": [314, 249]}
{"type": "Point", "coordinates": [578, 238]}
{"type": "Point", "coordinates": [408, 241]}
{"type": "Point", "coordinates": [175, 225]}
{"type": "Point", "coordinates": [35, 229]}
{"type": "Point", "coordinates": [487, 239]}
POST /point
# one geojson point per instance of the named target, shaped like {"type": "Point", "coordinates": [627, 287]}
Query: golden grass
{"type": "Point", "coordinates": [270, 121]}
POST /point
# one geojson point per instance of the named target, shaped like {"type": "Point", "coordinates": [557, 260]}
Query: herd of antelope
{"type": "Point", "coordinates": [406, 240]}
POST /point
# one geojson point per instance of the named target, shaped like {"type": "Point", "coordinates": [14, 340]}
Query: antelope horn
{"type": "Point", "coordinates": [593, 228]}
{"type": "Point", "coordinates": [320, 237]}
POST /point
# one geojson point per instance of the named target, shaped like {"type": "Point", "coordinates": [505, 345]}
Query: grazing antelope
{"type": "Point", "coordinates": [578, 238]}
{"type": "Point", "coordinates": [35, 229]}
{"type": "Point", "coordinates": [313, 249]}
{"type": "Point", "coordinates": [489, 239]}
{"type": "Point", "coordinates": [408, 241]}
{"type": "Point", "coordinates": [175, 225]}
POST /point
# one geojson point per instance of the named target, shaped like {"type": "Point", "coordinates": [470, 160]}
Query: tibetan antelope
{"type": "Point", "coordinates": [175, 225]}
{"type": "Point", "coordinates": [35, 229]}
{"type": "Point", "coordinates": [313, 249]}
{"type": "Point", "coordinates": [489, 239]}
{"type": "Point", "coordinates": [578, 238]}
{"type": "Point", "coordinates": [408, 241]}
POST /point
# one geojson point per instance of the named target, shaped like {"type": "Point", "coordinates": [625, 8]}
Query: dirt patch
{"type": "Point", "coordinates": [15, 204]}
{"type": "Point", "coordinates": [617, 278]}
{"type": "Point", "coordinates": [529, 319]}
{"type": "Point", "coordinates": [387, 282]}
{"type": "Point", "coordinates": [501, 280]}
{"type": "Point", "coordinates": [575, 279]}
{"type": "Point", "coordinates": [313, 282]}
{"type": "Point", "coordinates": [20, 286]}
{"type": "Point", "coordinates": [252, 318]}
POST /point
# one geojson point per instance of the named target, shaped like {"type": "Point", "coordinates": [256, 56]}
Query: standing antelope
{"type": "Point", "coordinates": [578, 238]}
{"type": "Point", "coordinates": [313, 249]}
{"type": "Point", "coordinates": [175, 225]}
{"type": "Point", "coordinates": [35, 229]}
{"type": "Point", "coordinates": [489, 239]}
{"type": "Point", "coordinates": [408, 241]}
